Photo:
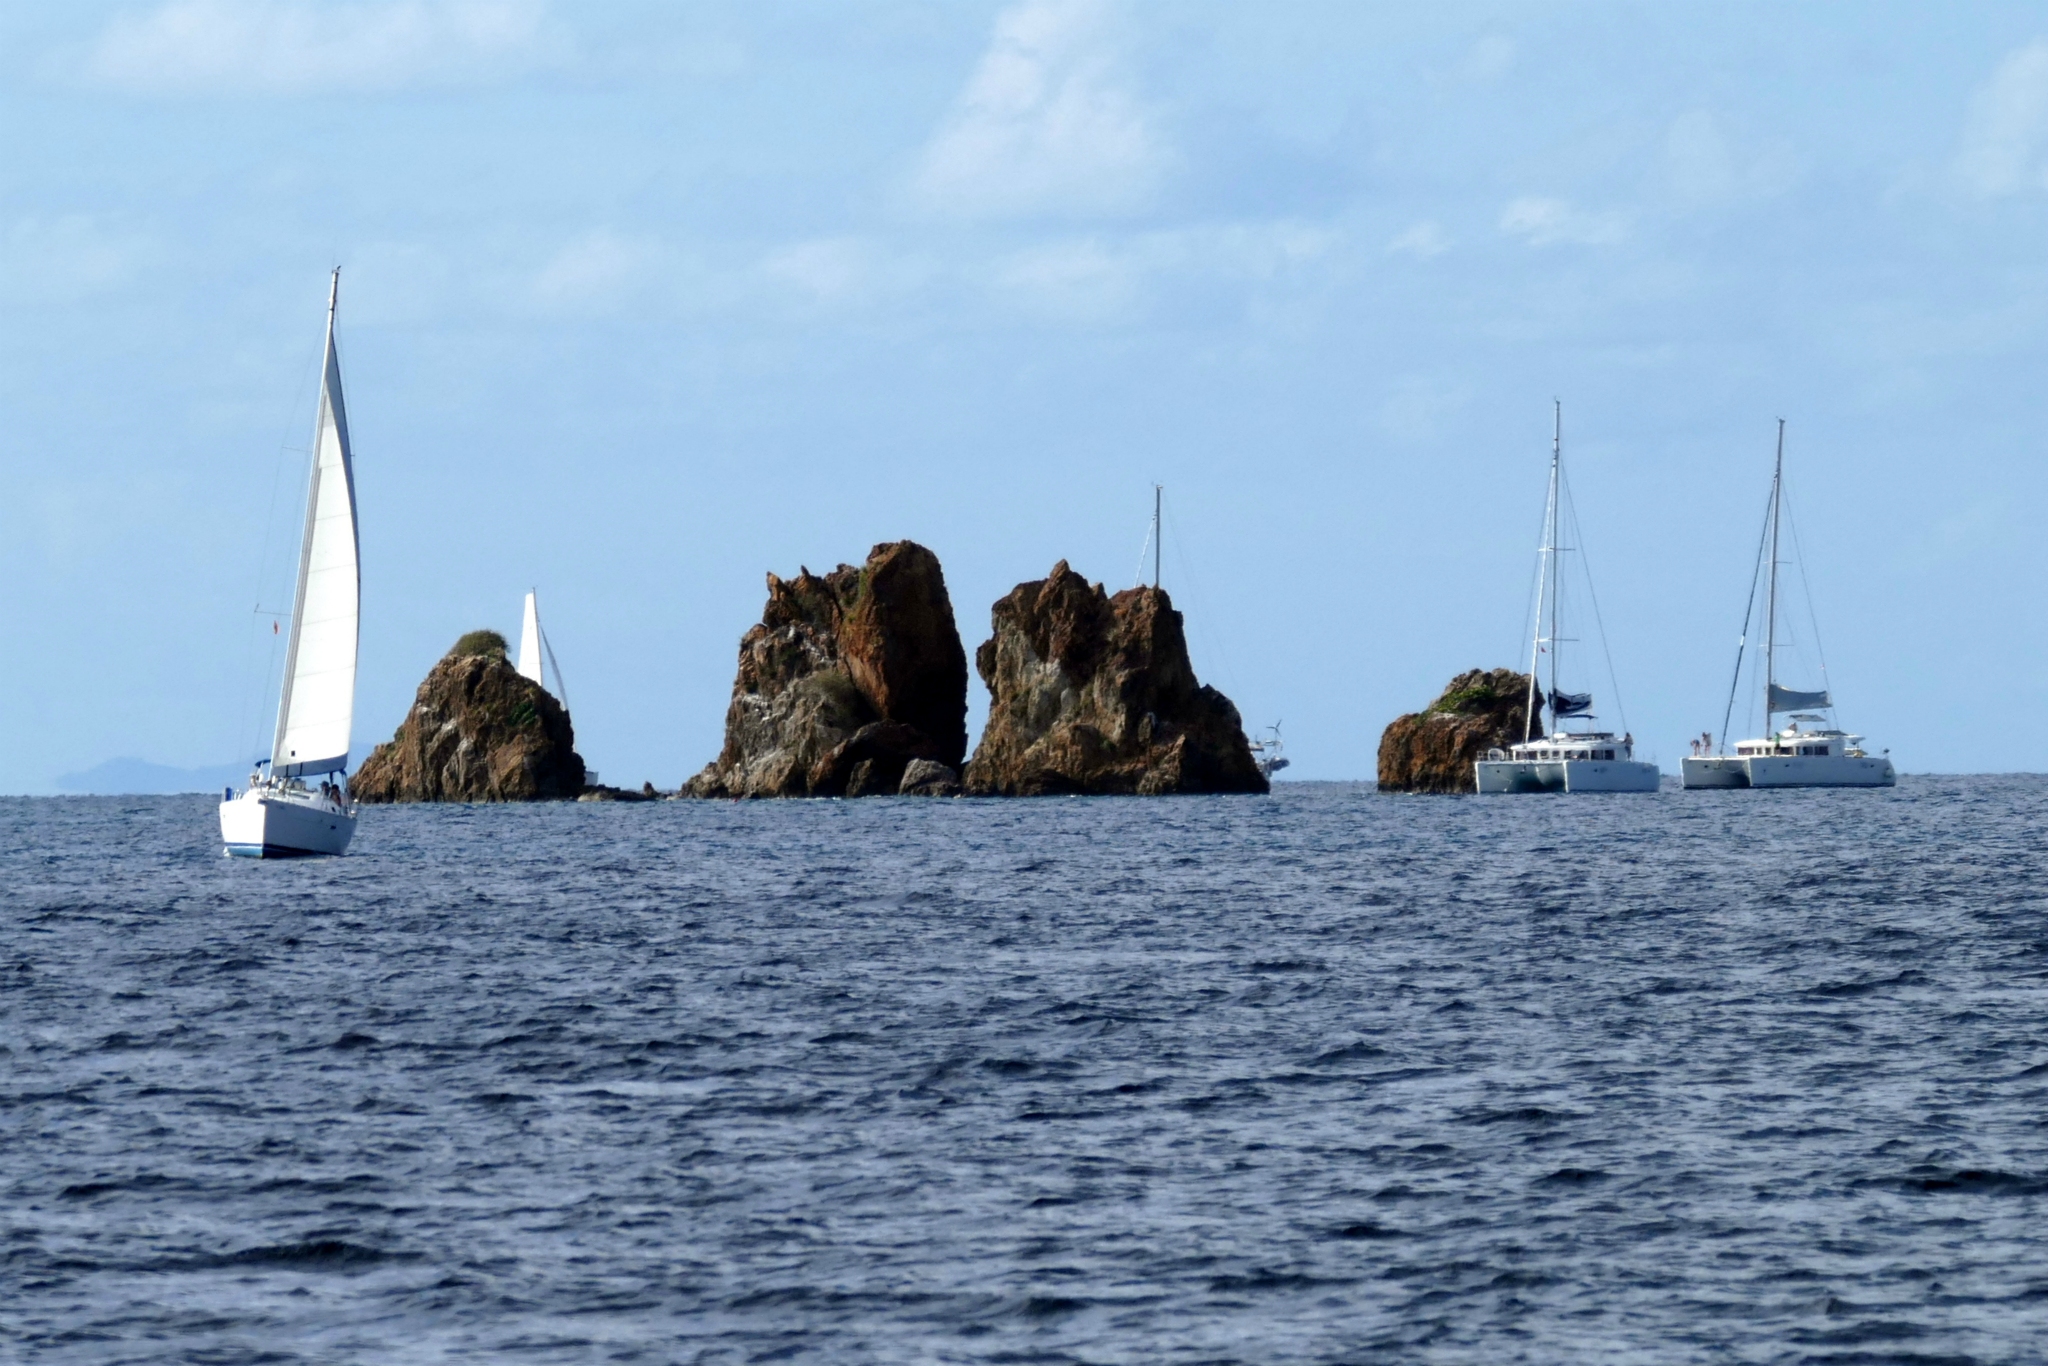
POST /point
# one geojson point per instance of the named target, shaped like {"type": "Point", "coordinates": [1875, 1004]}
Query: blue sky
{"type": "Point", "coordinates": [642, 300]}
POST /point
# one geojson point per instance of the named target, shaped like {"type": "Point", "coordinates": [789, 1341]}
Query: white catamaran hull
{"type": "Point", "coordinates": [273, 825]}
{"type": "Point", "coordinates": [1566, 775]}
{"type": "Point", "coordinates": [1789, 770]}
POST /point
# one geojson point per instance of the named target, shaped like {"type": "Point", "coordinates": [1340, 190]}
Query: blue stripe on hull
{"type": "Point", "coordinates": [270, 851]}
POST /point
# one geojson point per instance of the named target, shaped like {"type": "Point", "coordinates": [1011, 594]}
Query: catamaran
{"type": "Point", "coordinates": [280, 814]}
{"type": "Point", "coordinates": [1815, 754]}
{"type": "Point", "coordinates": [1562, 760]}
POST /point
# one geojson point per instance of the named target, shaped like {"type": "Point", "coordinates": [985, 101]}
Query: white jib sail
{"type": "Point", "coordinates": [317, 706]}
{"type": "Point", "coordinates": [529, 642]}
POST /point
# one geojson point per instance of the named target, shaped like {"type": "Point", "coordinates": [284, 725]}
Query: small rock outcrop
{"type": "Point", "coordinates": [478, 731]}
{"type": "Point", "coordinates": [1434, 750]}
{"type": "Point", "coordinates": [924, 778]}
{"type": "Point", "coordinates": [848, 681]}
{"type": "Point", "coordinates": [1090, 693]}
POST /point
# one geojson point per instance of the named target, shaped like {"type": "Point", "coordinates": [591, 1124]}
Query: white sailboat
{"type": "Point", "coordinates": [1562, 760]}
{"type": "Point", "coordinates": [1818, 754]}
{"type": "Point", "coordinates": [282, 812]}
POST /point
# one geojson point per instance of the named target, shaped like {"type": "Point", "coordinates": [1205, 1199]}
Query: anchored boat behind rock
{"type": "Point", "coordinates": [1563, 760]}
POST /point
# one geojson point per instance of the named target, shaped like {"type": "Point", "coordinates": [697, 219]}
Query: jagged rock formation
{"type": "Point", "coordinates": [1094, 694]}
{"type": "Point", "coordinates": [1434, 750]}
{"type": "Point", "coordinates": [478, 731]}
{"type": "Point", "coordinates": [847, 681]}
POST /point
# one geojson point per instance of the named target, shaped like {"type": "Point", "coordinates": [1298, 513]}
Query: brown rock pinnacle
{"type": "Point", "coordinates": [847, 679]}
{"type": "Point", "coordinates": [478, 731]}
{"type": "Point", "coordinates": [1434, 750]}
{"type": "Point", "coordinates": [1094, 694]}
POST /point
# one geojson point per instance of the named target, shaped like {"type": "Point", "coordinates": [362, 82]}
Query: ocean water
{"type": "Point", "coordinates": [1326, 1076]}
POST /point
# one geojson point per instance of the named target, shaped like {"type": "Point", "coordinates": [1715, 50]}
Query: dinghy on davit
{"type": "Point", "coordinates": [283, 812]}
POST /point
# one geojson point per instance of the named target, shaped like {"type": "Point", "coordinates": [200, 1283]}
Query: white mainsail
{"type": "Point", "coordinates": [317, 706]}
{"type": "Point", "coordinates": [529, 642]}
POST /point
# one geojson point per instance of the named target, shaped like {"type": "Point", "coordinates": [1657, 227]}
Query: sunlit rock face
{"type": "Point", "coordinates": [478, 731]}
{"type": "Point", "coordinates": [1094, 694]}
{"type": "Point", "coordinates": [1434, 750]}
{"type": "Point", "coordinates": [847, 681]}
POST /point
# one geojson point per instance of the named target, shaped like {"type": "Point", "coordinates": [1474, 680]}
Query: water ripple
{"type": "Point", "coordinates": [1747, 1077]}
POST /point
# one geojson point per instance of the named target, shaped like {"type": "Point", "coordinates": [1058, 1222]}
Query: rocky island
{"type": "Point", "coordinates": [478, 731]}
{"type": "Point", "coordinates": [1434, 750]}
{"type": "Point", "coordinates": [853, 684]}
{"type": "Point", "coordinates": [1091, 693]}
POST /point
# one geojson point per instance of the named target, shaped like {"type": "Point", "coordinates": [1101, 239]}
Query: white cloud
{"type": "Point", "coordinates": [1705, 164]}
{"type": "Point", "coordinates": [1547, 222]}
{"type": "Point", "coordinates": [594, 269]}
{"type": "Point", "coordinates": [829, 268]}
{"type": "Point", "coordinates": [1045, 125]}
{"type": "Point", "coordinates": [1087, 280]}
{"type": "Point", "coordinates": [64, 259]}
{"type": "Point", "coordinates": [2007, 128]}
{"type": "Point", "coordinates": [1102, 278]}
{"type": "Point", "coordinates": [1424, 240]}
{"type": "Point", "coordinates": [287, 47]}
{"type": "Point", "coordinates": [1697, 155]}
{"type": "Point", "coordinates": [1490, 58]}
{"type": "Point", "coordinates": [1418, 409]}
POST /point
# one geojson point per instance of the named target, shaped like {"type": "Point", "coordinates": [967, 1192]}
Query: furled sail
{"type": "Point", "coordinates": [1563, 704]}
{"type": "Point", "coordinates": [317, 706]}
{"type": "Point", "coordinates": [1785, 699]}
{"type": "Point", "coordinates": [529, 642]}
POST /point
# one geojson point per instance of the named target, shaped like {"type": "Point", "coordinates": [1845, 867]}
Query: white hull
{"type": "Point", "coordinates": [261, 824]}
{"type": "Point", "coordinates": [1790, 770]}
{"type": "Point", "coordinates": [1566, 775]}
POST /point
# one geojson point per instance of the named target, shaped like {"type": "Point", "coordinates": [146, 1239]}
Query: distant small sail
{"type": "Point", "coordinates": [317, 709]}
{"type": "Point", "coordinates": [1785, 699]}
{"type": "Point", "coordinates": [529, 642]}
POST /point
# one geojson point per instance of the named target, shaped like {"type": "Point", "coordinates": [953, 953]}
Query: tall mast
{"type": "Point", "coordinates": [291, 647]}
{"type": "Point", "coordinates": [1155, 533]}
{"type": "Point", "coordinates": [1544, 584]}
{"type": "Point", "coordinates": [1771, 607]}
{"type": "Point", "coordinates": [1556, 457]}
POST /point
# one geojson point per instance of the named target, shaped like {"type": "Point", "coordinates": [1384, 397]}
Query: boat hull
{"type": "Point", "coordinates": [1789, 770]}
{"type": "Point", "coordinates": [1500, 776]}
{"type": "Point", "coordinates": [266, 825]}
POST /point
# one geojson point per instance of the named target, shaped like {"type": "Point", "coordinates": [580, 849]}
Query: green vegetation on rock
{"type": "Point", "coordinates": [486, 643]}
{"type": "Point", "coordinates": [1482, 697]}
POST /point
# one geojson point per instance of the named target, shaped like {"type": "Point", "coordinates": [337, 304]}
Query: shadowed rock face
{"type": "Point", "coordinates": [478, 731]}
{"type": "Point", "coordinates": [847, 680]}
{"type": "Point", "coordinates": [1094, 694]}
{"type": "Point", "coordinates": [1434, 750]}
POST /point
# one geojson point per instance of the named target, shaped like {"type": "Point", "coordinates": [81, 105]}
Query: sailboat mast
{"type": "Point", "coordinates": [291, 649]}
{"type": "Point", "coordinates": [1771, 606]}
{"type": "Point", "coordinates": [1156, 547]}
{"type": "Point", "coordinates": [1556, 457]}
{"type": "Point", "coordinates": [1543, 585]}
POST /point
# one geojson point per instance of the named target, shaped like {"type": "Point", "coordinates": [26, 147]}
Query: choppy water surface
{"type": "Point", "coordinates": [1690, 1077]}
